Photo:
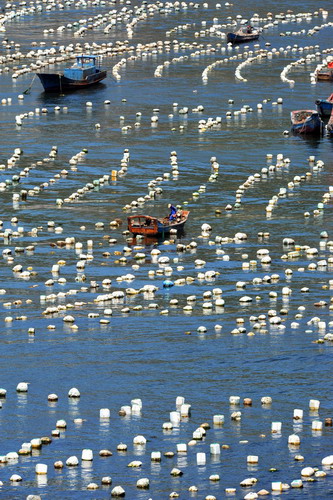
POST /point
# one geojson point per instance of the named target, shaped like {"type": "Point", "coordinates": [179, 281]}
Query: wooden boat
{"type": "Point", "coordinates": [329, 126]}
{"type": "Point", "coordinates": [325, 106]}
{"type": "Point", "coordinates": [83, 73]}
{"type": "Point", "coordinates": [326, 73]}
{"type": "Point", "coordinates": [306, 121]}
{"type": "Point", "coordinates": [243, 35]}
{"type": "Point", "coordinates": [152, 226]}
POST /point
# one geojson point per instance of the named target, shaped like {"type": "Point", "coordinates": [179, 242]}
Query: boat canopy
{"type": "Point", "coordinates": [84, 66]}
{"type": "Point", "coordinates": [85, 58]}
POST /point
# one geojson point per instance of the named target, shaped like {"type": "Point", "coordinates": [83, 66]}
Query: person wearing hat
{"type": "Point", "coordinates": [173, 212]}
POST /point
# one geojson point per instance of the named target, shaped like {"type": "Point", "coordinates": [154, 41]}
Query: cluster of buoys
{"type": "Point", "coordinates": [200, 437]}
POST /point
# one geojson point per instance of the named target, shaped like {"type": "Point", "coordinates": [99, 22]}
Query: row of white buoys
{"type": "Point", "coordinates": [63, 173]}
{"type": "Point", "coordinates": [12, 160]}
{"type": "Point", "coordinates": [154, 185]}
{"type": "Point", "coordinates": [262, 54]}
{"type": "Point", "coordinates": [88, 187]}
{"type": "Point", "coordinates": [117, 67]}
{"type": "Point", "coordinates": [24, 116]}
{"type": "Point", "coordinates": [246, 54]}
{"type": "Point", "coordinates": [316, 29]}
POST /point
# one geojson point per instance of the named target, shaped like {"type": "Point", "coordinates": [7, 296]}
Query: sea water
{"type": "Point", "coordinates": [142, 353]}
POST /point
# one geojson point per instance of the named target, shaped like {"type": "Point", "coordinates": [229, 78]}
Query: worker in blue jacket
{"type": "Point", "coordinates": [173, 212]}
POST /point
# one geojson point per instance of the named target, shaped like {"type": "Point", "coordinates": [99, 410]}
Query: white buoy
{"type": "Point", "coordinates": [61, 424]}
{"type": "Point", "coordinates": [22, 387]}
{"type": "Point", "coordinates": [276, 427]}
{"type": "Point", "coordinates": [215, 448]}
{"type": "Point", "coordinates": [185, 410]}
{"type": "Point", "coordinates": [72, 461]}
{"type": "Point", "coordinates": [155, 456]}
{"type": "Point", "coordinates": [87, 454]}
{"type": "Point", "coordinates": [314, 404]}
{"type": "Point", "coordinates": [118, 491]}
{"type": "Point", "coordinates": [298, 414]}
{"type": "Point", "coordinates": [307, 472]}
{"type": "Point", "coordinates": [181, 448]}
{"type": "Point", "coordinates": [234, 400]}
{"type": "Point", "coordinates": [317, 425]}
{"type": "Point", "coordinates": [294, 440]}
{"type": "Point", "coordinates": [41, 469]}
{"type": "Point", "coordinates": [218, 419]}
{"type": "Point", "coordinates": [104, 413]}
{"type": "Point", "coordinates": [143, 483]}
{"type": "Point", "coordinates": [175, 417]}
{"type": "Point", "coordinates": [36, 443]}
{"type": "Point", "coordinates": [141, 440]}
{"type": "Point", "coordinates": [201, 458]}
{"type": "Point", "coordinates": [15, 478]}
{"type": "Point", "coordinates": [327, 460]}
{"type": "Point", "coordinates": [74, 393]}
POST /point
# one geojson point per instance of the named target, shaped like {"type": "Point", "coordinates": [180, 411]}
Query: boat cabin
{"type": "Point", "coordinates": [143, 224]}
{"type": "Point", "coordinates": [84, 66]}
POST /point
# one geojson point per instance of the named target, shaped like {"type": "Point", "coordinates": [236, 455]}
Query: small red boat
{"type": "Point", "coordinates": [152, 226]}
{"type": "Point", "coordinates": [326, 73]}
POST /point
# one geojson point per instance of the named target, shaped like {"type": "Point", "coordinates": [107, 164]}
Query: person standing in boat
{"type": "Point", "coordinates": [249, 29]}
{"type": "Point", "coordinates": [173, 212]}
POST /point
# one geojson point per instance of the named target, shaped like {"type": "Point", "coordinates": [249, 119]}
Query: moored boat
{"type": "Point", "coordinates": [243, 35]}
{"type": "Point", "coordinates": [85, 72]}
{"type": "Point", "coordinates": [306, 121]}
{"type": "Point", "coordinates": [153, 226]}
{"type": "Point", "coordinates": [325, 106]}
{"type": "Point", "coordinates": [326, 73]}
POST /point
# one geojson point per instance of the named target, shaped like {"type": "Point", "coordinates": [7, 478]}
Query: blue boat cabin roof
{"type": "Point", "coordinates": [84, 59]}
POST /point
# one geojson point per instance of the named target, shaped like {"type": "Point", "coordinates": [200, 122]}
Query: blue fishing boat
{"type": "Point", "coordinates": [85, 72]}
{"type": "Point", "coordinates": [325, 106]}
{"type": "Point", "coordinates": [153, 226]}
{"type": "Point", "coordinates": [306, 121]}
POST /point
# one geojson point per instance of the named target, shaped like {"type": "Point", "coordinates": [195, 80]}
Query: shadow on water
{"type": "Point", "coordinates": [157, 240]}
{"type": "Point", "coordinates": [313, 141]}
{"type": "Point", "coordinates": [51, 98]}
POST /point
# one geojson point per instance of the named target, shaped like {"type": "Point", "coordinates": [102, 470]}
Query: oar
{"type": "Point", "coordinates": [27, 91]}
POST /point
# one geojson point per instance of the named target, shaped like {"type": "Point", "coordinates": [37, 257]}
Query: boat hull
{"type": "Point", "coordinates": [329, 126]}
{"type": "Point", "coordinates": [325, 74]}
{"type": "Point", "coordinates": [324, 107]}
{"type": "Point", "coordinates": [306, 122]}
{"type": "Point", "coordinates": [152, 226]}
{"type": "Point", "coordinates": [57, 82]}
{"type": "Point", "coordinates": [242, 38]}
{"type": "Point", "coordinates": [329, 129]}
